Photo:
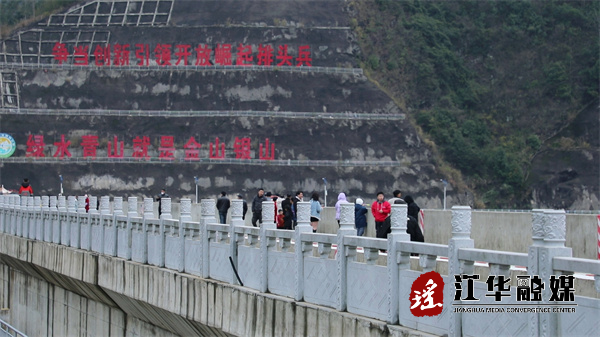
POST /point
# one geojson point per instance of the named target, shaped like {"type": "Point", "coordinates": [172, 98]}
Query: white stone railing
{"type": "Point", "coordinates": [341, 271]}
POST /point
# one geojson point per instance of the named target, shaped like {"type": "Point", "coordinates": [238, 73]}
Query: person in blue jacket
{"type": "Point", "coordinates": [360, 217]}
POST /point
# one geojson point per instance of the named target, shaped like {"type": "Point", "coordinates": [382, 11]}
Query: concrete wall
{"type": "Point", "coordinates": [511, 231]}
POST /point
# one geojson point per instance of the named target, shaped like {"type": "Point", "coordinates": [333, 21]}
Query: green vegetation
{"type": "Point", "coordinates": [488, 82]}
{"type": "Point", "coordinates": [22, 12]}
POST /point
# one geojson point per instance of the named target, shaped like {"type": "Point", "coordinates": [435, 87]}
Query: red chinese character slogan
{"type": "Point", "coordinates": [142, 149]}
{"type": "Point", "coordinates": [161, 54]}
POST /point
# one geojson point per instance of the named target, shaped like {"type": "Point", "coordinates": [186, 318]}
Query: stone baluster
{"type": "Point", "coordinates": [22, 218]}
{"type": "Point", "coordinates": [346, 228]}
{"type": "Point", "coordinates": [165, 208]}
{"type": "Point", "coordinates": [39, 218]}
{"type": "Point", "coordinates": [207, 211]}
{"type": "Point", "coordinates": [12, 222]}
{"type": "Point", "coordinates": [301, 249]}
{"type": "Point", "coordinates": [62, 203]}
{"type": "Point", "coordinates": [81, 204]}
{"type": "Point", "coordinates": [45, 203]}
{"type": "Point", "coordinates": [3, 212]}
{"type": "Point", "coordinates": [55, 222]}
{"type": "Point", "coordinates": [553, 245]}
{"type": "Point", "coordinates": [85, 232]}
{"type": "Point", "coordinates": [461, 238]}
{"type": "Point", "coordinates": [31, 218]}
{"type": "Point", "coordinates": [398, 233]}
{"type": "Point", "coordinates": [132, 207]}
{"type": "Point", "coordinates": [72, 204]}
{"type": "Point", "coordinates": [268, 222]}
{"type": "Point", "coordinates": [63, 221]}
{"type": "Point", "coordinates": [537, 229]}
{"type": "Point", "coordinates": [207, 215]}
{"type": "Point", "coordinates": [237, 210]}
{"type": "Point", "coordinates": [46, 219]}
{"type": "Point", "coordinates": [148, 208]}
{"type": "Point", "coordinates": [93, 205]}
{"type": "Point", "coordinates": [104, 205]}
{"type": "Point", "coordinates": [268, 214]}
{"type": "Point", "coordinates": [118, 206]}
{"type": "Point", "coordinates": [185, 210]}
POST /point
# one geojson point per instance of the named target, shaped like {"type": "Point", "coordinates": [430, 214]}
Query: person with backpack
{"type": "Point", "coordinates": [25, 189]}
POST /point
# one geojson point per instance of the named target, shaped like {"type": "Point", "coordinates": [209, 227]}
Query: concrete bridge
{"type": "Point", "coordinates": [124, 272]}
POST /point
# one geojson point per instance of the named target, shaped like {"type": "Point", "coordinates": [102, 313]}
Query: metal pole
{"type": "Point", "coordinates": [325, 182]}
{"type": "Point", "coordinates": [445, 185]}
{"type": "Point", "coordinates": [61, 184]}
{"type": "Point", "coordinates": [196, 181]}
{"type": "Point", "coordinates": [444, 197]}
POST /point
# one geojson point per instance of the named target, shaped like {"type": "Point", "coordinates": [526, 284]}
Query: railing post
{"type": "Point", "coordinates": [302, 226]}
{"type": "Point", "coordinates": [553, 245]}
{"type": "Point", "coordinates": [14, 207]}
{"type": "Point", "coordinates": [39, 219]}
{"type": "Point", "coordinates": [46, 219]}
{"type": "Point", "coordinates": [2, 212]}
{"type": "Point", "coordinates": [461, 238]}
{"type": "Point", "coordinates": [118, 206]}
{"type": "Point", "coordinates": [132, 212]}
{"type": "Point", "coordinates": [537, 228]}
{"type": "Point", "coordinates": [268, 218]}
{"type": "Point", "coordinates": [346, 228]}
{"type": "Point", "coordinates": [75, 221]}
{"type": "Point", "coordinates": [31, 217]}
{"type": "Point", "coordinates": [165, 208]}
{"type": "Point", "coordinates": [110, 233]}
{"type": "Point", "coordinates": [93, 205]}
{"type": "Point", "coordinates": [148, 208]}
{"type": "Point", "coordinates": [185, 210]}
{"type": "Point", "coordinates": [65, 236]}
{"type": "Point", "coordinates": [22, 218]}
{"type": "Point", "coordinates": [62, 221]}
{"type": "Point", "coordinates": [237, 210]}
{"type": "Point", "coordinates": [104, 205]}
{"type": "Point", "coordinates": [132, 208]}
{"type": "Point", "coordinates": [207, 215]}
{"type": "Point", "coordinates": [398, 222]}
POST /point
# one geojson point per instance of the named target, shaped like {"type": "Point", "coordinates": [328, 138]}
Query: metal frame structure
{"type": "Point", "coordinates": [115, 13]}
{"type": "Point", "coordinates": [9, 90]}
{"type": "Point", "coordinates": [34, 46]}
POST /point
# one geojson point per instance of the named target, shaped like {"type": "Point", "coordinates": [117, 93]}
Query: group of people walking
{"type": "Point", "coordinates": [286, 210]}
{"type": "Point", "coordinates": [381, 210]}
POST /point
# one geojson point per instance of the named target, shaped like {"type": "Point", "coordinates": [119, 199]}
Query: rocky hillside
{"type": "Point", "coordinates": [326, 82]}
{"type": "Point", "coordinates": [327, 120]}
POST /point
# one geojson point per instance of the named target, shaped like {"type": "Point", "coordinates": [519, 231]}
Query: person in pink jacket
{"type": "Point", "coordinates": [381, 209]}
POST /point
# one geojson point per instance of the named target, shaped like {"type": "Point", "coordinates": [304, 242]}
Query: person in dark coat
{"type": "Point", "coordinates": [223, 205]}
{"type": "Point", "coordinates": [257, 206]}
{"type": "Point", "coordinates": [163, 194]}
{"type": "Point", "coordinates": [360, 217]}
{"type": "Point", "coordinates": [286, 206]}
{"type": "Point", "coordinates": [412, 228]}
{"type": "Point", "coordinates": [413, 208]}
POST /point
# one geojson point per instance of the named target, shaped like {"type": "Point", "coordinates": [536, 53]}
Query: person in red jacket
{"type": "Point", "coordinates": [25, 188]}
{"type": "Point", "coordinates": [381, 209]}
